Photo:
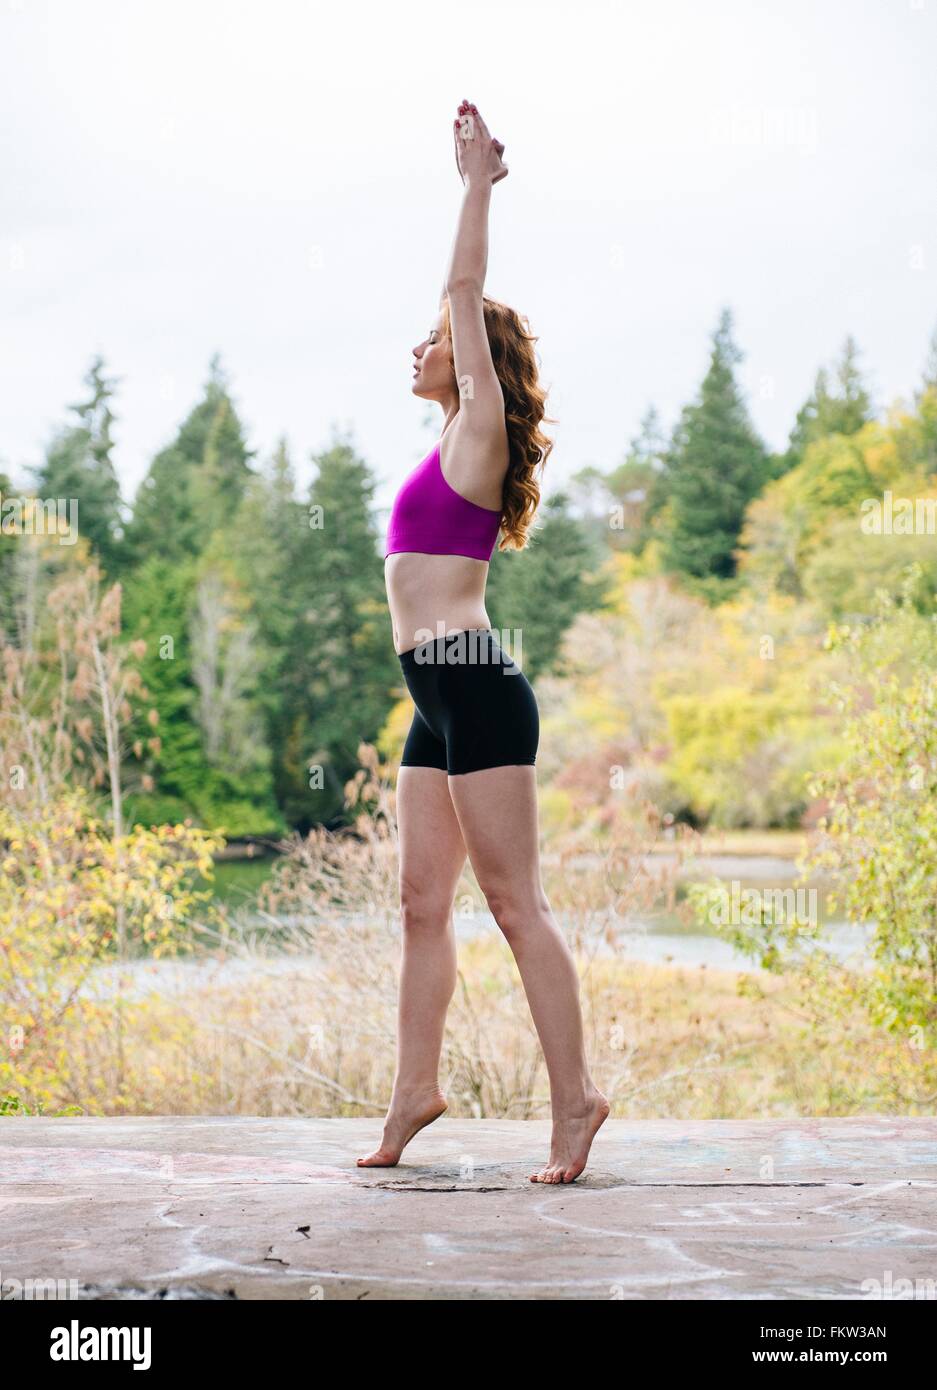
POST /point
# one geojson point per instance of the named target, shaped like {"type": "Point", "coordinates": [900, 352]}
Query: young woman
{"type": "Point", "coordinates": [467, 781]}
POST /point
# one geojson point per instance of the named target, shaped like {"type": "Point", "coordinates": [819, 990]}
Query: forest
{"type": "Point", "coordinates": [674, 609]}
{"type": "Point", "coordinates": [724, 640]}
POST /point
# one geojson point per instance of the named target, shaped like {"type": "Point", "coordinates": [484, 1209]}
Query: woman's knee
{"type": "Point", "coordinates": [517, 912]}
{"type": "Point", "coordinates": [422, 906]}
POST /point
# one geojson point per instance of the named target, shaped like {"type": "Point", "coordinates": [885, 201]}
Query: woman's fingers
{"type": "Point", "coordinates": [455, 143]}
{"type": "Point", "coordinates": [479, 119]}
{"type": "Point", "coordinates": [470, 124]}
{"type": "Point", "coordinates": [465, 123]}
{"type": "Point", "coordinates": [466, 108]}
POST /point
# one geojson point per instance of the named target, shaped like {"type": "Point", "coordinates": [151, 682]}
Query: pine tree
{"type": "Point", "coordinates": [170, 767]}
{"type": "Point", "coordinates": [340, 671]}
{"type": "Point", "coordinates": [192, 532]}
{"type": "Point", "coordinates": [179, 774]}
{"type": "Point", "coordinates": [840, 406]}
{"type": "Point", "coordinates": [78, 465]}
{"type": "Point", "coordinates": [715, 465]}
{"type": "Point", "coordinates": [195, 485]}
{"type": "Point", "coordinates": [640, 483]}
{"type": "Point", "coordinates": [276, 523]}
{"type": "Point", "coordinates": [228, 664]}
{"type": "Point", "coordinates": [538, 592]}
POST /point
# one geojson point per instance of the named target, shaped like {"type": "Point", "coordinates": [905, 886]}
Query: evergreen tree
{"type": "Point", "coordinates": [340, 672]}
{"type": "Point", "coordinates": [539, 591]}
{"type": "Point", "coordinates": [195, 485]}
{"type": "Point", "coordinates": [187, 538]}
{"type": "Point", "coordinates": [167, 745]}
{"type": "Point", "coordinates": [78, 464]}
{"type": "Point", "coordinates": [590, 502]}
{"type": "Point", "coordinates": [222, 782]}
{"type": "Point", "coordinates": [639, 484]}
{"type": "Point", "coordinates": [277, 524]}
{"type": "Point", "coordinates": [840, 406]}
{"type": "Point", "coordinates": [715, 465]}
{"type": "Point", "coordinates": [228, 667]}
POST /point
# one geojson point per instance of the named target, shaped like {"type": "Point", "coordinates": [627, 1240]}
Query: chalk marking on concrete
{"type": "Point", "coordinates": [91, 1166]}
{"type": "Point", "coordinates": [661, 1244]}
{"type": "Point", "coordinates": [195, 1261]}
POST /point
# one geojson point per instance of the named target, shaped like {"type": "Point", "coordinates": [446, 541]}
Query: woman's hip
{"type": "Point", "coordinates": [474, 697]}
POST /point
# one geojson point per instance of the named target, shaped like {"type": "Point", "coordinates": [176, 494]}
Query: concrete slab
{"type": "Point", "coordinates": [276, 1208]}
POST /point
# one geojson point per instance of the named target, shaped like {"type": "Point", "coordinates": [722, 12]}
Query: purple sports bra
{"type": "Point", "coordinates": [431, 518]}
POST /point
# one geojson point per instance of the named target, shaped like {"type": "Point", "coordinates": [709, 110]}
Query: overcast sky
{"type": "Point", "coordinates": [276, 182]}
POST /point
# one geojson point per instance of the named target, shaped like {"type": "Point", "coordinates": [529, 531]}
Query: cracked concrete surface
{"type": "Point", "coordinates": [209, 1207]}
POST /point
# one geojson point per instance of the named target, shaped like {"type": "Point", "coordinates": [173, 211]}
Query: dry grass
{"type": "Point", "coordinates": [663, 1041]}
{"type": "Point", "coordinates": [308, 1027]}
{"type": "Point", "coordinates": [784, 844]}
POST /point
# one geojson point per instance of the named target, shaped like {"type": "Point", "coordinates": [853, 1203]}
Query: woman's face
{"type": "Point", "coordinates": [432, 369]}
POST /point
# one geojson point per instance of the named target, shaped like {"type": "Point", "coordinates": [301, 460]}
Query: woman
{"type": "Point", "coordinates": [467, 781]}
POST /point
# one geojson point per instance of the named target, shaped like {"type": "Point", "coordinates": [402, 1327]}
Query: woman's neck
{"type": "Point", "coordinates": [450, 410]}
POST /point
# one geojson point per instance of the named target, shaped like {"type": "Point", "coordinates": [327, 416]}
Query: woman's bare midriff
{"type": "Point", "coordinates": [430, 595]}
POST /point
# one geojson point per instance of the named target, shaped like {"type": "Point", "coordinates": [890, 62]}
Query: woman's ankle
{"type": "Point", "coordinates": [576, 1101]}
{"type": "Point", "coordinates": [417, 1091]}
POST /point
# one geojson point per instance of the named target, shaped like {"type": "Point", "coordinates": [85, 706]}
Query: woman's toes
{"type": "Point", "coordinates": [381, 1158]}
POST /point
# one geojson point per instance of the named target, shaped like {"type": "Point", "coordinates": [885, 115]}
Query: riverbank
{"type": "Point", "coordinates": [750, 855]}
{"type": "Point", "coordinates": [243, 1031]}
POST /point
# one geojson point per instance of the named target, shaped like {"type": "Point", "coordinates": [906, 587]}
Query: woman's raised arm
{"type": "Point", "coordinates": [479, 161]}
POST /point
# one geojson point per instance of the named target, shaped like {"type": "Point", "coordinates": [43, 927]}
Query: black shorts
{"type": "Point", "coordinates": [475, 708]}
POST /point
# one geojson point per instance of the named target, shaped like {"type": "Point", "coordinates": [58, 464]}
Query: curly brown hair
{"type": "Point", "coordinates": [515, 364]}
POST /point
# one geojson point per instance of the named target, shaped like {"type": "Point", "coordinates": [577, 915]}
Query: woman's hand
{"type": "Point", "coordinates": [477, 154]}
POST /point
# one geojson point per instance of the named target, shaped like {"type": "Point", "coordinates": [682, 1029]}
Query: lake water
{"type": "Point", "coordinates": [663, 939]}
{"type": "Point", "coordinates": [236, 881]}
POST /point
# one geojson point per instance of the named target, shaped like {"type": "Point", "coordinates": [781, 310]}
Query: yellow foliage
{"type": "Point", "coordinates": [70, 895]}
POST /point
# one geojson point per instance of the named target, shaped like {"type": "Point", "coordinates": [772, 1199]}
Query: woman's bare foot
{"type": "Point", "coordinates": [410, 1111]}
{"type": "Point", "coordinates": [572, 1139]}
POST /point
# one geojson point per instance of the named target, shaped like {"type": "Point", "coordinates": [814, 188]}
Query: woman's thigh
{"type": "Point", "coordinates": [432, 851]}
{"type": "Point", "coordinates": [497, 813]}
